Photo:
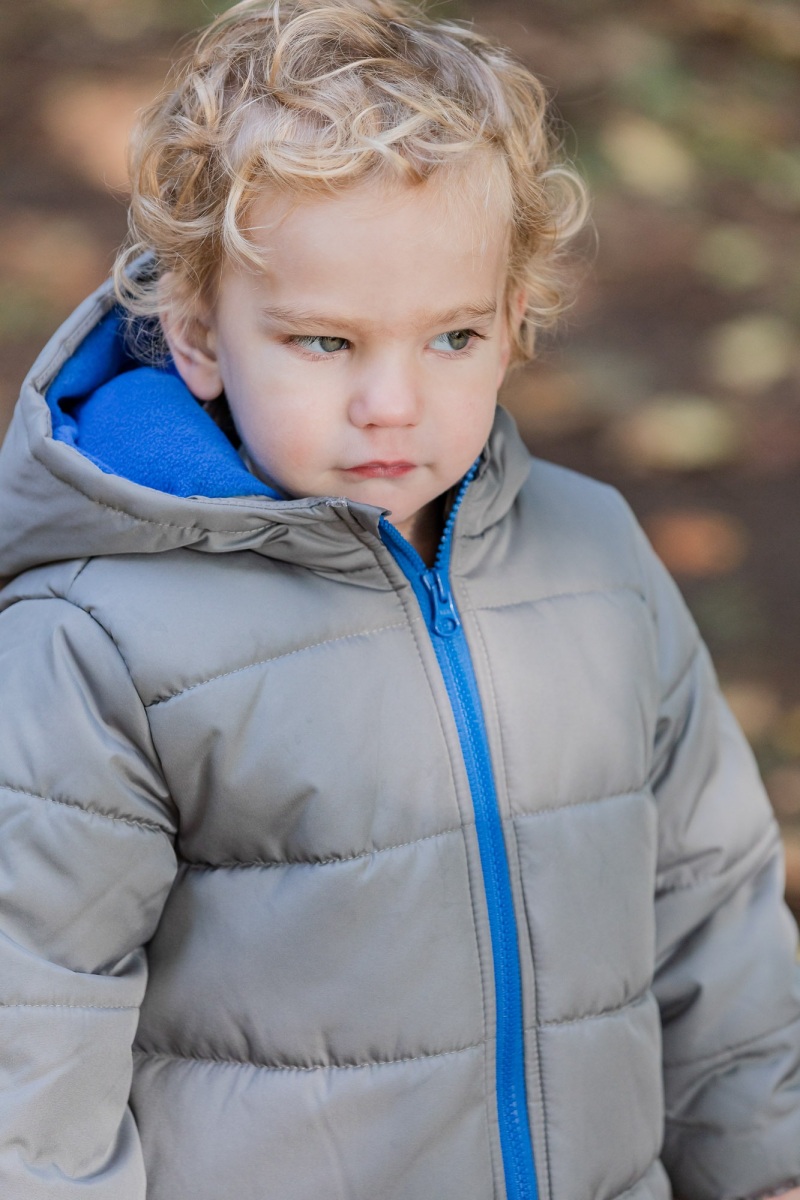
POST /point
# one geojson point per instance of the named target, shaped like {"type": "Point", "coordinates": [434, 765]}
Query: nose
{"type": "Point", "coordinates": [387, 394]}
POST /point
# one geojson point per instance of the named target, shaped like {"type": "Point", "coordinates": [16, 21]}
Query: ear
{"type": "Point", "coordinates": [515, 314]}
{"type": "Point", "coordinates": [192, 344]}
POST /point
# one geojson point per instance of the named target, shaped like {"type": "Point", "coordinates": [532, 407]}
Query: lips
{"type": "Point", "coordinates": [381, 470]}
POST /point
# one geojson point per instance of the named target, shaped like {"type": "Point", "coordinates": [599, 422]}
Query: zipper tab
{"type": "Point", "coordinates": [445, 617]}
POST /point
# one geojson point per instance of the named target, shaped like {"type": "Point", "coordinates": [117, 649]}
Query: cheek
{"type": "Point", "coordinates": [278, 437]}
{"type": "Point", "coordinates": [469, 413]}
{"type": "Point", "coordinates": [273, 411]}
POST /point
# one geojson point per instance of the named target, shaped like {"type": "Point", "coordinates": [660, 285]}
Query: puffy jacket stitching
{"type": "Point", "coordinates": [484, 969]}
{"type": "Point", "coordinates": [77, 1007]}
{"type": "Point", "coordinates": [496, 709]}
{"type": "Point", "coordinates": [529, 814]}
{"type": "Point", "coordinates": [293, 1067]}
{"type": "Point", "coordinates": [68, 347]}
{"type": "Point", "coordinates": [268, 864]}
{"type": "Point", "coordinates": [614, 1011]}
{"type": "Point", "coordinates": [772, 841]}
{"type": "Point", "coordinates": [79, 572]}
{"type": "Point", "coordinates": [636, 545]}
{"type": "Point", "coordinates": [534, 1031]}
{"type": "Point", "coordinates": [683, 672]}
{"type": "Point", "coordinates": [262, 662]}
{"type": "Point", "coordinates": [632, 1187]}
{"type": "Point", "coordinates": [723, 1053]}
{"type": "Point", "coordinates": [131, 516]}
{"type": "Point", "coordinates": [152, 747]}
{"type": "Point", "coordinates": [611, 590]}
{"type": "Point", "coordinates": [34, 596]}
{"type": "Point", "coordinates": [136, 822]}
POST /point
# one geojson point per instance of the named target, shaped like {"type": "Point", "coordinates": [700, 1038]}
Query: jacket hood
{"type": "Point", "coordinates": [105, 456]}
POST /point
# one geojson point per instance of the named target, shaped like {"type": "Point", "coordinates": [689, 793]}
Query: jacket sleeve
{"type": "Point", "coordinates": [86, 861]}
{"type": "Point", "coordinates": [727, 978]}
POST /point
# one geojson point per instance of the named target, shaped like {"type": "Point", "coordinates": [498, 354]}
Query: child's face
{"type": "Point", "coordinates": [364, 360]}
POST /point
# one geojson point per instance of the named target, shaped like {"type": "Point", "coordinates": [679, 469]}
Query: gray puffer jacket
{"type": "Point", "coordinates": [323, 874]}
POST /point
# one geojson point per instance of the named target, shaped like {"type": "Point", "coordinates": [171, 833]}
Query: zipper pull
{"type": "Point", "coordinates": [445, 617]}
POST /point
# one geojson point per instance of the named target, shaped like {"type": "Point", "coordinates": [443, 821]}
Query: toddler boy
{"type": "Point", "coordinates": [373, 826]}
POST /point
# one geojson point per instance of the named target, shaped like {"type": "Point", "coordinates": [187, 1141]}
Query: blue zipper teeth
{"type": "Point", "coordinates": [432, 589]}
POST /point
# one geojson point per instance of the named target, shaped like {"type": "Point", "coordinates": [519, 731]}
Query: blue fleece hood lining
{"type": "Point", "coordinates": [143, 423]}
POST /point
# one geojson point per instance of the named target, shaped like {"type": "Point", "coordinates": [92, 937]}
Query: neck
{"type": "Point", "coordinates": [424, 530]}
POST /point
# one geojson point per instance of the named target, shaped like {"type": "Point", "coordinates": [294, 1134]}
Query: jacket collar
{"type": "Point", "coordinates": [70, 487]}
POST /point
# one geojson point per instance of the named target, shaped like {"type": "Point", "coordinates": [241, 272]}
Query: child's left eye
{"type": "Point", "coordinates": [456, 339]}
{"type": "Point", "coordinates": [328, 345]}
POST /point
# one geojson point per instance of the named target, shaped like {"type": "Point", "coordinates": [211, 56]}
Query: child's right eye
{"type": "Point", "coordinates": [307, 341]}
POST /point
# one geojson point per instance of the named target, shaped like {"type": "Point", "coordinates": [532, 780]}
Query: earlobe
{"type": "Point", "coordinates": [516, 311]}
{"type": "Point", "coordinates": [191, 344]}
{"type": "Point", "coordinates": [518, 308]}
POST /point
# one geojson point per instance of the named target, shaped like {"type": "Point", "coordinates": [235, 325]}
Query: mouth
{"type": "Point", "coordinates": [381, 470]}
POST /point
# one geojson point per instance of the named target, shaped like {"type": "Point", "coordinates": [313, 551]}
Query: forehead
{"type": "Point", "coordinates": [383, 247]}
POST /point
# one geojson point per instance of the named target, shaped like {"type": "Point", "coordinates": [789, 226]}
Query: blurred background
{"type": "Point", "coordinates": [676, 376]}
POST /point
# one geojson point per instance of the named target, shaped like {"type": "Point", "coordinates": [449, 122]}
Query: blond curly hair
{"type": "Point", "coordinates": [310, 98]}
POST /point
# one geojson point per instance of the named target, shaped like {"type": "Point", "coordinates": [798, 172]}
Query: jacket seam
{"type": "Point", "coordinates": [65, 597]}
{"type": "Point", "coordinates": [530, 814]}
{"type": "Point", "coordinates": [725, 1052]}
{"type": "Point", "coordinates": [78, 574]}
{"type": "Point", "coordinates": [31, 597]}
{"type": "Point", "coordinates": [640, 1179]}
{"type": "Point", "coordinates": [413, 616]}
{"type": "Point", "coordinates": [611, 590]}
{"type": "Point", "coordinates": [362, 633]}
{"type": "Point", "coordinates": [772, 842]}
{"type": "Point", "coordinates": [296, 1067]}
{"type": "Point", "coordinates": [533, 1030]}
{"type": "Point", "coordinates": [77, 1007]}
{"type": "Point", "coordinates": [683, 672]}
{"type": "Point", "coordinates": [631, 529]}
{"type": "Point", "coordinates": [268, 864]}
{"type": "Point", "coordinates": [638, 541]}
{"type": "Point", "coordinates": [131, 516]}
{"type": "Point", "coordinates": [635, 1002]}
{"type": "Point", "coordinates": [136, 822]}
{"type": "Point", "coordinates": [101, 306]}
{"type": "Point", "coordinates": [500, 725]}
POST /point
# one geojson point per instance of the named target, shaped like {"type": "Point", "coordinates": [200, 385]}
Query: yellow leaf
{"type": "Point", "coordinates": [648, 158]}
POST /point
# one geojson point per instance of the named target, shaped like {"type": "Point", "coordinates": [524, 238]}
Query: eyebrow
{"type": "Point", "coordinates": [300, 318]}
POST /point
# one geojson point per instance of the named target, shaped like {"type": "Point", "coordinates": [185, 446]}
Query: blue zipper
{"type": "Point", "coordinates": [432, 589]}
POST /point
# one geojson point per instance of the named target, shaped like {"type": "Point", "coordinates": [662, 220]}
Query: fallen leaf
{"type": "Point", "coordinates": [698, 543]}
{"type": "Point", "coordinates": [648, 158]}
{"type": "Point", "coordinates": [751, 353]}
{"type": "Point", "coordinates": [734, 257]}
{"type": "Point", "coordinates": [677, 433]}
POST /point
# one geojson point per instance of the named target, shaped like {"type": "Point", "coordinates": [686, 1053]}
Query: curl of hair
{"type": "Point", "coordinates": [311, 98]}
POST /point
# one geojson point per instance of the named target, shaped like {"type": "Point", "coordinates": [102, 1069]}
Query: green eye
{"type": "Point", "coordinates": [328, 345]}
{"type": "Point", "coordinates": [457, 339]}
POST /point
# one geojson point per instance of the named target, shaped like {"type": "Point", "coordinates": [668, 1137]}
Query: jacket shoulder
{"type": "Point", "coordinates": [581, 533]}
